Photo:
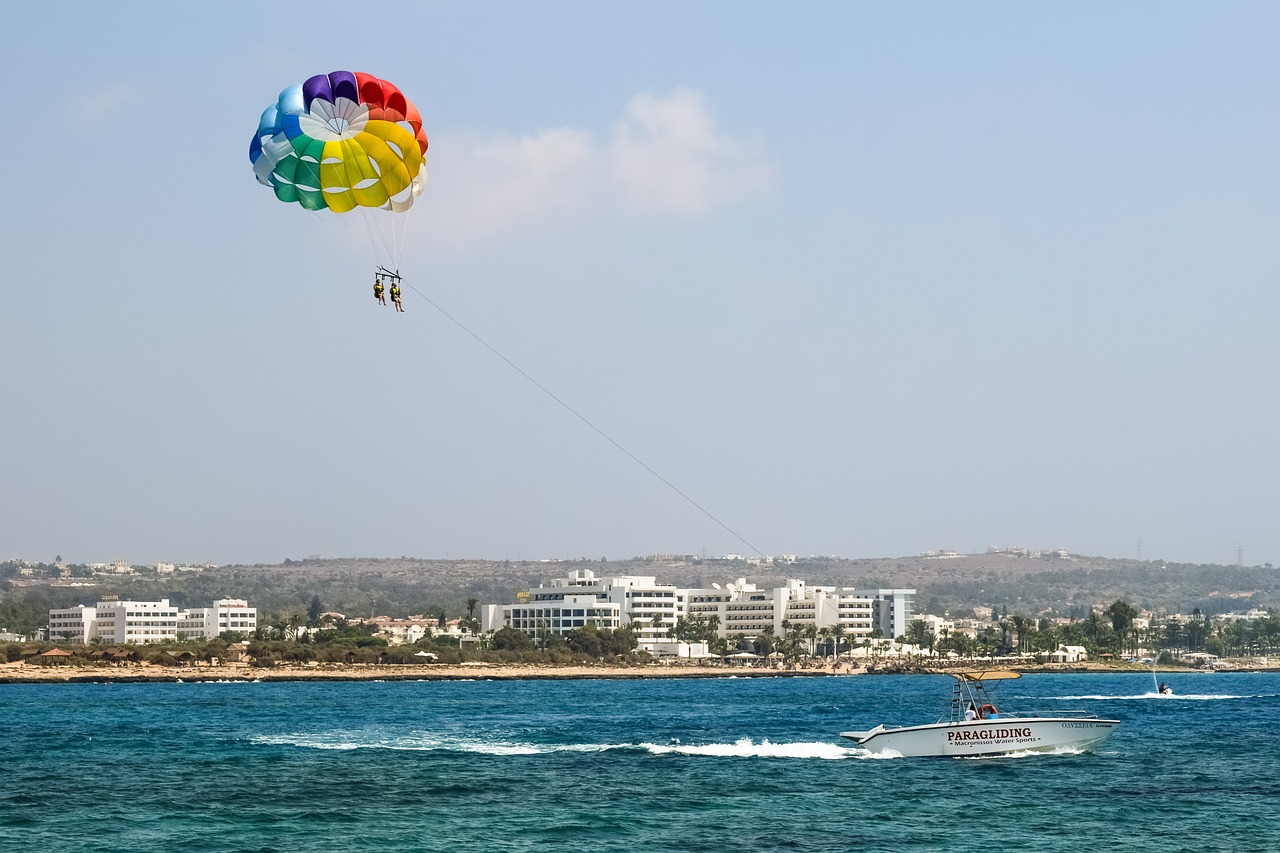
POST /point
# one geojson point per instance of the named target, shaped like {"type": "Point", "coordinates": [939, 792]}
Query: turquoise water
{"type": "Point", "coordinates": [691, 765]}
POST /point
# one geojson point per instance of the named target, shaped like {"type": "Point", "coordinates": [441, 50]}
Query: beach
{"type": "Point", "coordinates": [21, 673]}
{"type": "Point", "coordinates": [27, 673]}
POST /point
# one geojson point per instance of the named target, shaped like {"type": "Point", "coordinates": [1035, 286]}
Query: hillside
{"type": "Point", "coordinates": [1028, 585]}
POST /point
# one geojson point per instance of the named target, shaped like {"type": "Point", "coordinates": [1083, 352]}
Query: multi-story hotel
{"type": "Point", "coordinates": [742, 608]}
{"type": "Point", "coordinates": [649, 607]}
{"type": "Point", "coordinates": [115, 621]}
{"type": "Point", "coordinates": [652, 608]}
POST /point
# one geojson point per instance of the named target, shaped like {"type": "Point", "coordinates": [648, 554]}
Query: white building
{"type": "Point", "coordinates": [575, 601]}
{"type": "Point", "coordinates": [742, 608]}
{"type": "Point", "coordinates": [1068, 654]}
{"type": "Point", "coordinates": [226, 614]}
{"type": "Point", "coordinates": [115, 621]}
{"type": "Point", "coordinates": [652, 609]}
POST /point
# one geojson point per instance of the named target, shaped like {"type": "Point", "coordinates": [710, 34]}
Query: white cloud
{"type": "Point", "coordinates": [668, 157]}
{"type": "Point", "coordinates": [665, 157]}
{"type": "Point", "coordinates": [101, 104]}
{"type": "Point", "coordinates": [491, 185]}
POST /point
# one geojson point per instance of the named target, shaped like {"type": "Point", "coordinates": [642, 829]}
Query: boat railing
{"type": "Point", "coordinates": [956, 715]}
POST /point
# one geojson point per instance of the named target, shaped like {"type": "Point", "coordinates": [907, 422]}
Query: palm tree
{"type": "Point", "coordinates": [764, 642]}
{"type": "Point", "coordinates": [713, 628]}
{"type": "Point", "coordinates": [1093, 623]}
{"type": "Point", "coordinates": [791, 647]}
{"type": "Point", "coordinates": [1022, 626]}
{"type": "Point", "coordinates": [811, 636]}
{"type": "Point", "coordinates": [1006, 629]}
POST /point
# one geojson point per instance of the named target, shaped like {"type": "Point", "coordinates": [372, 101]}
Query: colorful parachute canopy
{"type": "Point", "coordinates": [341, 141]}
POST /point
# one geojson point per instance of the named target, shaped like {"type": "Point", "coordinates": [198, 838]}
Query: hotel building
{"type": "Point", "coordinates": [652, 608]}
{"type": "Point", "coordinates": [115, 621]}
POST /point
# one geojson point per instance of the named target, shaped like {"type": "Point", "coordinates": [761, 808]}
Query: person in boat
{"type": "Point", "coordinates": [378, 291]}
{"type": "Point", "coordinates": [988, 712]}
{"type": "Point", "coordinates": [395, 296]}
{"type": "Point", "coordinates": [971, 713]}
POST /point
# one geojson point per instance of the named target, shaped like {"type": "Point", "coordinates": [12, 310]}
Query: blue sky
{"type": "Point", "coordinates": [863, 279]}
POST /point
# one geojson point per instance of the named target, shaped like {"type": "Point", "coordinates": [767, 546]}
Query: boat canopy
{"type": "Point", "coordinates": [987, 675]}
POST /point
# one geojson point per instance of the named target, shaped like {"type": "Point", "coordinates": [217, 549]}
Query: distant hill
{"type": "Point", "coordinates": [1019, 584]}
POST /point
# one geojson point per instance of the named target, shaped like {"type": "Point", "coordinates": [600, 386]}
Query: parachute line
{"type": "Point", "coordinates": [583, 418]}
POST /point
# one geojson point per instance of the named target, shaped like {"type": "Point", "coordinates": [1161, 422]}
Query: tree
{"type": "Point", "coordinates": [916, 633]}
{"type": "Point", "coordinates": [586, 641]}
{"type": "Point", "coordinates": [1093, 624]}
{"type": "Point", "coordinates": [509, 639]}
{"type": "Point", "coordinates": [1022, 626]}
{"type": "Point", "coordinates": [686, 629]}
{"type": "Point", "coordinates": [764, 642]}
{"type": "Point", "coordinates": [1122, 615]}
{"type": "Point", "coordinates": [313, 611]}
{"type": "Point", "coordinates": [1196, 630]}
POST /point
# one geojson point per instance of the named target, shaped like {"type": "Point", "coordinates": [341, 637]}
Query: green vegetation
{"type": "Point", "coordinates": [1110, 632]}
{"type": "Point", "coordinates": [1025, 590]}
{"type": "Point", "coordinates": [356, 644]}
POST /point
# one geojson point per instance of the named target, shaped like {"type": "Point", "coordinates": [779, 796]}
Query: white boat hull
{"type": "Point", "coordinates": [1000, 736]}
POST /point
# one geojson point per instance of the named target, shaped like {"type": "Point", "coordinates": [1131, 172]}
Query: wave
{"type": "Point", "coordinates": [742, 748]}
{"type": "Point", "coordinates": [1163, 697]}
{"type": "Point", "coordinates": [418, 743]}
{"type": "Point", "coordinates": [747, 748]}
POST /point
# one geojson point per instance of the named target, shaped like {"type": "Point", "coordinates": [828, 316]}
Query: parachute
{"type": "Point", "coordinates": [340, 142]}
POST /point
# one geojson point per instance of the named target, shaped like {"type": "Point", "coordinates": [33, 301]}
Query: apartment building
{"type": "Point", "coordinates": [114, 621]}
{"type": "Point", "coordinates": [652, 608]}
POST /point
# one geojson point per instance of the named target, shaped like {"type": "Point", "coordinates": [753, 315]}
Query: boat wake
{"type": "Point", "coordinates": [1163, 697]}
{"type": "Point", "coordinates": [747, 748]}
{"type": "Point", "coordinates": [742, 748]}
{"type": "Point", "coordinates": [418, 743]}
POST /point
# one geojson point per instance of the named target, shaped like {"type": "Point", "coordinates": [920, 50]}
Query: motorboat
{"type": "Point", "coordinates": [974, 727]}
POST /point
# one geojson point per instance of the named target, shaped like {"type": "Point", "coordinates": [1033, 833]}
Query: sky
{"type": "Point", "coordinates": [841, 278]}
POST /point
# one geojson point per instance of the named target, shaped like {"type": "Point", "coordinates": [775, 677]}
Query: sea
{"type": "Point", "coordinates": [645, 765]}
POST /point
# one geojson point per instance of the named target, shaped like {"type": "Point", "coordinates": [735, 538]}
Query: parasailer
{"type": "Point", "coordinates": [378, 290]}
{"type": "Point", "coordinates": [341, 142]}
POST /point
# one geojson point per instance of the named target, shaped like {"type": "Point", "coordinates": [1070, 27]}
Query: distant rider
{"type": "Point", "coordinates": [377, 291]}
{"type": "Point", "coordinates": [395, 296]}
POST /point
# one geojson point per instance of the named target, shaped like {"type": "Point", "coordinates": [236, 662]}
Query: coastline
{"type": "Point", "coordinates": [19, 673]}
